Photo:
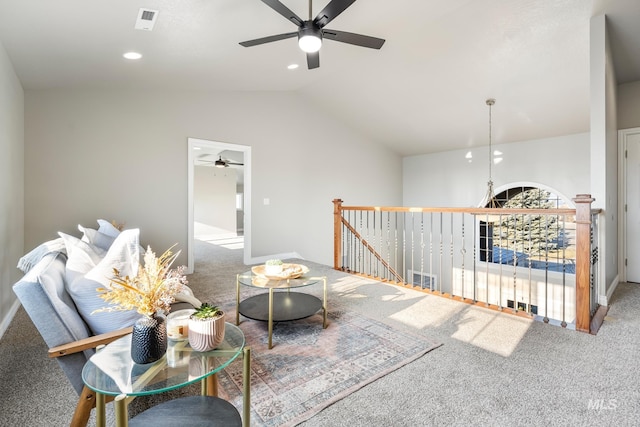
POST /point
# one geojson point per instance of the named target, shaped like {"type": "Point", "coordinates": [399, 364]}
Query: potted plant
{"type": "Point", "coordinates": [206, 327]}
{"type": "Point", "coordinates": [273, 267]}
{"type": "Point", "coordinates": [150, 293]}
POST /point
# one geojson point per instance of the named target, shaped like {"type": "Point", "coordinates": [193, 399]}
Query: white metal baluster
{"type": "Point", "coordinates": [515, 281]}
{"type": "Point", "coordinates": [413, 228]}
{"type": "Point", "coordinates": [564, 270]}
{"type": "Point", "coordinates": [500, 260]}
{"type": "Point", "coordinates": [348, 241]}
{"type": "Point", "coordinates": [422, 250]}
{"type": "Point", "coordinates": [530, 261]}
{"type": "Point", "coordinates": [404, 244]}
{"type": "Point", "coordinates": [388, 241]}
{"type": "Point", "coordinates": [441, 252]}
{"type": "Point", "coordinates": [451, 251]}
{"type": "Point", "coordinates": [381, 268]}
{"type": "Point", "coordinates": [488, 246]}
{"type": "Point", "coordinates": [431, 251]}
{"type": "Point", "coordinates": [462, 253]}
{"type": "Point", "coordinates": [546, 269]}
{"type": "Point", "coordinates": [395, 262]}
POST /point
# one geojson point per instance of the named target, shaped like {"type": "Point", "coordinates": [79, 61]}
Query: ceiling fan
{"type": "Point", "coordinates": [221, 163]}
{"type": "Point", "coordinates": [225, 163]}
{"type": "Point", "coordinates": [311, 32]}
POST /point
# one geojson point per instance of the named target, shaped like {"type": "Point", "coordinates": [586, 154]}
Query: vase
{"type": "Point", "coordinates": [206, 334]}
{"type": "Point", "coordinates": [149, 339]}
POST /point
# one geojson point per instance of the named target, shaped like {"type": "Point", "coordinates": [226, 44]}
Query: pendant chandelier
{"type": "Point", "coordinates": [490, 198]}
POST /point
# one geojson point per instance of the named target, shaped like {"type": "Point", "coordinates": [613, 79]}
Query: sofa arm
{"type": "Point", "coordinates": [88, 343]}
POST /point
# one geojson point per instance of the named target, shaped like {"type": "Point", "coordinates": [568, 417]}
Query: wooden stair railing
{"type": "Point", "coordinates": [583, 219]}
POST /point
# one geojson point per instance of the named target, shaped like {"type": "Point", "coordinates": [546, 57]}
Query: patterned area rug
{"type": "Point", "coordinates": [309, 368]}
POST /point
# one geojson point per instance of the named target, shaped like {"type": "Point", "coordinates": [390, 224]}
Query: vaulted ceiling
{"type": "Point", "coordinates": [424, 91]}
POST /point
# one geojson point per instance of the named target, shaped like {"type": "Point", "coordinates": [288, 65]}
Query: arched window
{"type": "Point", "coordinates": [535, 241]}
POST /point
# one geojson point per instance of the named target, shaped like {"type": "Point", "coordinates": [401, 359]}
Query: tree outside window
{"type": "Point", "coordinates": [536, 241]}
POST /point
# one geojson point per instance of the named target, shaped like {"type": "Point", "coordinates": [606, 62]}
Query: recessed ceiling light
{"type": "Point", "coordinates": [292, 66]}
{"type": "Point", "coordinates": [132, 55]}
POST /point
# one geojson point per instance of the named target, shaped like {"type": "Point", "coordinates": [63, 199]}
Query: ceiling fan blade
{"type": "Point", "coordinates": [284, 11]}
{"type": "Point", "coordinates": [269, 39]}
{"type": "Point", "coordinates": [330, 11]}
{"type": "Point", "coordinates": [352, 38]}
{"type": "Point", "coordinates": [313, 60]}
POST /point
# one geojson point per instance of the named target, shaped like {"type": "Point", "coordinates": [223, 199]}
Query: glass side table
{"type": "Point", "coordinates": [279, 306]}
{"type": "Point", "coordinates": [111, 372]}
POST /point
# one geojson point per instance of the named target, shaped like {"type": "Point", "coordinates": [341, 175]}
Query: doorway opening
{"type": "Point", "coordinates": [219, 195]}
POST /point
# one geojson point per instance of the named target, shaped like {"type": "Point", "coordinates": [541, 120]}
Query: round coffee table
{"type": "Point", "coordinates": [111, 372]}
{"type": "Point", "coordinates": [279, 306]}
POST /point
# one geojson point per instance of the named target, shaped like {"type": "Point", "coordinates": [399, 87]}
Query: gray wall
{"type": "Point", "coordinates": [122, 155]}
{"type": "Point", "coordinates": [459, 178]}
{"type": "Point", "coordinates": [604, 149]}
{"type": "Point", "coordinates": [11, 184]}
{"type": "Point", "coordinates": [629, 105]}
{"type": "Point", "coordinates": [214, 197]}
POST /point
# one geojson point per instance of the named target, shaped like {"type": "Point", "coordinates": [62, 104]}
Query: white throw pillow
{"type": "Point", "coordinates": [82, 255]}
{"type": "Point", "coordinates": [96, 238]}
{"type": "Point", "coordinates": [105, 227]}
{"type": "Point", "coordinates": [82, 285]}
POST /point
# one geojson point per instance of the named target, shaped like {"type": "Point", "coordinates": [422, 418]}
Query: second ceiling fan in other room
{"type": "Point", "coordinates": [311, 32]}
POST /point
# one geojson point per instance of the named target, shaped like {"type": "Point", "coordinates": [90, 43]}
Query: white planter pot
{"type": "Point", "coordinates": [205, 335]}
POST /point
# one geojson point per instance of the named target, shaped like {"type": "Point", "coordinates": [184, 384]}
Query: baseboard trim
{"type": "Point", "coordinates": [604, 299]}
{"type": "Point", "coordinates": [262, 259]}
{"type": "Point", "coordinates": [9, 317]}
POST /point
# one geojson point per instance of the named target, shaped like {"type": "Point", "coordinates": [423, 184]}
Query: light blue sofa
{"type": "Point", "coordinates": [44, 297]}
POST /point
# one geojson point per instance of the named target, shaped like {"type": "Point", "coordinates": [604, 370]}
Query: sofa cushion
{"type": "Point", "coordinates": [42, 294]}
{"type": "Point", "coordinates": [89, 268]}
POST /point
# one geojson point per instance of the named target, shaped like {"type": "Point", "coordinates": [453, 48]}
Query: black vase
{"type": "Point", "coordinates": [149, 339]}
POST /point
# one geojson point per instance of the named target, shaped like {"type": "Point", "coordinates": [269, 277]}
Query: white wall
{"type": "Point", "coordinates": [122, 155]}
{"type": "Point", "coordinates": [451, 179]}
{"type": "Point", "coordinates": [11, 185]}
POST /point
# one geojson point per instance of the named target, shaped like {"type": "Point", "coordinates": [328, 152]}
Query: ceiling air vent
{"type": "Point", "coordinates": [146, 19]}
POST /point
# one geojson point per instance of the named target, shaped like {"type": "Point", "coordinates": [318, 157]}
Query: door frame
{"type": "Point", "coordinates": [193, 143]}
{"type": "Point", "coordinates": [623, 136]}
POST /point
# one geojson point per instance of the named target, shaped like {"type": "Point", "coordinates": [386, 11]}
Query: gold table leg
{"type": "Point", "coordinates": [237, 299]}
{"type": "Point", "coordinates": [324, 304]}
{"type": "Point", "coordinates": [101, 413]}
{"type": "Point", "coordinates": [270, 316]}
{"type": "Point", "coordinates": [120, 404]}
{"type": "Point", "coordinates": [246, 388]}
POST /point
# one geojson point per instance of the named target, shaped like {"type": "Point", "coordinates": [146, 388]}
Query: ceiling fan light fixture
{"type": "Point", "coordinates": [309, 39]}
{"type": "Point", "coordinates": [220, 163]}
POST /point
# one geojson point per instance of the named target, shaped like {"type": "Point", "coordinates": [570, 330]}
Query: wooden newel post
{"type": "Point", "coordinates": [583, 261]}
{"type": "Point", "coordinates": [337, 233]}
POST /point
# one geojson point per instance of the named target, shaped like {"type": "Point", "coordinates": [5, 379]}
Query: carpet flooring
{"type": "Point", "coordinates": [492, 369]}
